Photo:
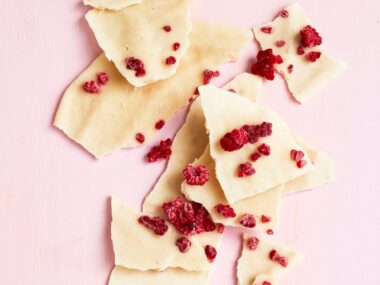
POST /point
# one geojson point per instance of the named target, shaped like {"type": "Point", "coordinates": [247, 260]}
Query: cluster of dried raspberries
{"type": "Point", "coordinates": [252, 243]}
{"type": "Point", "coordinates": [248, 221]}
{"type": "Point", "coordinates": [161, 151]}
{"type": "Point", "coordinates": [189, 218]}
{"type": "Point", "coordinates": [225, 210]}
{"type": "Point", "coordinates": [157, 224]}
{"type": "Point", "coordinates": [94, 87]}
{"type": "Point", "coordinates": [276, 257]}
{"type": "Point", "coordinates": [208, 75]}
{"type": "Point", "coordinates": [264, 66]}
{"type": "Point", "coordinates": [210, 252]}
{"type": "Point", "coordinates": [183, 244]}
{"type": "Point", "coordinates": [136, 65]}
{"type": "Point", "coordinates": [309, 38]}
{"type": "Point", "coordinates": [255, 132]}
{"type": "Point", "coordinates": [297, 156]}
{"type": "Point", "coordinates": [196, 175]}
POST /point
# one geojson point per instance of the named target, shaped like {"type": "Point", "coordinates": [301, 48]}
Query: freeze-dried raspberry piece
{"type": "Point", "coordinates": [162, 151]}
{"type": "Point", "coordinates": [220, 228]}
{"type": "Point", "coordinates": [234, 140]}
{"type": "Point", "coordinates": [267, 29]}
{"type": "Point", "coordinates": [136, 65]}
{"type": "Point", "coordinates": [248, 221]}
{"type": "Point", "coordinates": [210, 252]}
{"type": "Point", "coordinates": [300, 50]}
{"type": "Point", "coordinates": [310, 37]}
{"type": "Point", "coordinates": [280, 44]}
{"type": "Point", "coordinates": [270, 232]}
{"type": "Point", "coordinates": [276, 257]}
{"type": "Point", "coordinates": [284, 14]}
{"type": "Point", "coordinates": [91, 87]}
{"type": "Point", "coordinates": [264, 66]}
{"type": "Point", "coordinates": [140, 137]}
{"type": "Point", "coordinates": [301, 163]}
{"type": "Point", "coordinates": [313, 56]}
{"type": "Point", "coordinates": [183, 244]}
{"type": "Point", "coordinates": [255, 132]}
{"type": "Point", "coordinates": [102, 78]}
{"type": "Point", "coordinates": [170, 60]}
{"type": "Point", "coordinates": [208, 75]}
{"type": "Point", "coordinates": [290, 68]}
{"type": "Point", "coordinates": [296, 155]}
{"type": "Point", "coordinates": [196, 175]}
{"type": "Point", "coordinates": [167, 28]}
{"type": "Point", "coordinates": [267, 283]}
{"type": "Point", "coordinates": [255, 156]}
{"type": "Point", "coordinates": [157, 224]}
{"type": "Point", "coordinates": [176, 46]}
{"type": "Point", "coordinates": [265, 219]}
{"type": "Point", "coordinates": [189, 218]}
{"type": "Point", "coordinates": [246, 169]}
{"type": "Point", "coordinates": [159, 124]}
{"type": "Point", "coordinates": [264, 149]}
{"type": "Point", "coordinates": [252, 243]}
{"type": "Point", "coordinates": [225, 210]}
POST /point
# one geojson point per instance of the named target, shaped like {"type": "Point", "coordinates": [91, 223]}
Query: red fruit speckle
{"type": "Point", "coordinates": [296, 155]}
{"type": "Point", "coordinates": [252, 243]}
{"type": "Point", "coordinates": [167, 28]}
{"type": "Point", "coordinates": [170, 60]}
{"type": "Point", "coordinates": [157, 224]}
{"type": "Point", "coordinates": [161, 151]}
{"type": "Point", "coordinates": [267, 30]}
{"type": "Point", "coordinates": [255, 132]}
{"type": "Point", "coordinates": [290, 68]}
{"type": "Point", "coordinates": [264, 149]}
{"type": "Point", "coordinates": [225, 210]}
{"type": "Point", "coordinates": [270, 232]}
{"type": "Point", "coordinates": [176, 46]}
{"type": "Point", "coordinates": [210, 252]}
{"type": "Point", "coordinates": [265, 219]}
{"type": "Point", "coordinates": [284, 14]}
{"type": "Point", "coordinates": [183, 244]}
{"type": "Point", "coordinates": [300, 50]}
{"type": "Point", "coordinates": [140, 137]}
{"type": "Point", "coordinates": [255, 156]}
{"type": "Point", "coordinates": [246, 169]}
{"type": "Point", "coordinates": [208, 75]}
{"type": "Point", "coordinates": [91, 87]}
{"type": "Point", "coordinates": [276, 257]}
{"type": "Point", "coordinates": [159, 124]}
{"type": "Point", "coordinates": [264, 66]}
{"type": "Point", "coordinates": [102, 78]}
{"type": "Point", "coordinates": [189, 218]}
{"type": "Point", "coordinates": [248, 221]}
{"type": "Point", "coordinates": [196, 175]}
{"type": "Point", "coordinates": [220, 228]}
{"type": "Point", "coordinates": [136, 65]}
{"type": "Point", "coordinates": [301, 163]}
{"type": "Point", "coordinates": [280, 44]}
{"type": "Point", "coordinates": [234, 140]}
{"type": "Point", "coordinates": [267, 283]}
{"type": "Point", "coordinates": [313, 56]}
{"type": "Point", "coordinates": [232, 90]}
{"type": "Point", "coordinates": [310, 37]}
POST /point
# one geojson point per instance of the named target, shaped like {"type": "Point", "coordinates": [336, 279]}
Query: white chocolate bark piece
{"type": "Point", "coordinates": [138, 32]}
{"type": "Point", "coordinates": [137, 247]}
{"type": "Point", "coordinates": [124, 276]}
{"type": "Point", "coordinates": [259, 280]}
{"type": "Point", "coordinates": [211, 194]}
{"type": "Point", "coordinates": [246, 85]}
{"type": "Point", "coordinates": [323, 170]}
{"type": "Point", "coordinates": [107, 122]}
{"type": "Point", "coordinates": [225, 111]}
{"type": "Point", "coordinates": [255, 263]}
{"type": "Point", "coordinates": [306, 78]}
{"type": "Point", "coordinates": [111, 4]}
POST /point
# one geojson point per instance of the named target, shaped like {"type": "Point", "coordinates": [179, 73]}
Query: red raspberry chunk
{"type": "Point", "coordinates": [255, 132]}
{"type": "Point", "coordinates": [301, 163]}
{"type": "Point", "coordinates": [284, 14]}
{"type": "Point", "coordinates": [248, 221]}
{"type": "Point", "coordinates": [136, 65]}
{"type": "Point", "coordinates": [161, 151]}
{"type": "Point", "coordinates": [210, 252]}
{"type": "Point", "coordinates": [267, 283]}
{"type": "Point", "coordinates": [300, 50]}
{"type": "Point", "coordinates": [264, 66]}
{"type": "Point", "coordinates": [264, 149]}
{"type": "Point", "coordinates": [167, 28]}
{"type": "Point", "coordinates": [157, 224]}
{"type": "Point", "coordinates": [246, 169]}
{"type": "Point", "coordinates": [140, 137]}
{"type": "Point", "coordinates": [267, 30]}
{"type": "Point", "coordinates": [225, 210]}
{"type": "Point", "coordinates": [170, 60]}
{"type": "Point", "coordinates": [280, 44]}
{"type": "Point", "coordinates": [91, 87]}
{"type": "Point", "coordinates": [102, 78]}
{"type": "Point", "coordinates": [208, 75]}
{"type": "Point", "coordinates": [183, 244]}
{"type": "Point", "coordinates": [276, 257]}
{"type": "Point", "coordinates": [313, 56]}
{"type": "Point", "coordinates": [234, 140]}
{"type": "Point", "coordinates": [220, 228]}
{"type": "Point", "coordinates": [255, 156]}
{"type": "Point", "coordinates": [159, 124]}
{"type": "Point", "coordinates": [265, 219]}
{"type": "Point", "coordinates": [176, 46]}
{"type": "Point", "coordinates": [310, 37]}
{"type": "Point", "coordinates": [196, 175]}
{"type": "Point", "coordinates": [252, 243]}
{"type": "Point", "coordinates": [270, 232]}
{"type": "Point", "coordinates": [290, 68]}
{"type": "Point", "coordinates": [296, 155]}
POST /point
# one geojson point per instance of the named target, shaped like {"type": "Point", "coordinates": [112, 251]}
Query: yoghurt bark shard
{"type": "Point", "coordinates": [107, 122]}
{"type": "Point", "coordinates": [135, 40]}
{"type": "Point", "coordinates": [125, 276]}
{"type": "Point", "coordinates": [265, 263]}
{"type": "Point", "coordinates": [114, 5]}
{"type": "Point", "coordinates": [225, 111]}
{"type": "Point", "coordinates": [306, 66]}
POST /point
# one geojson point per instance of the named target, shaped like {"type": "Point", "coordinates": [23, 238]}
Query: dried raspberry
{"type": "Point", "coordinates": [255, 156]}
{"type": "Point", "coordinates": [267, 30]}
{"type": "Point", "coordinates": [91, 87]}
{"type": "Point", "coordinates": [225, 210]}
{"type": "Point", "coordinates": [208, 75]}
{"type": "Point", "coordinates": [252, 243]}
{"type": "Point", "coordinates": [310, 37]}
{"type": "Point", "coordinates": [290, 68]}
{"type": "Point", "coordinates": [189, 218]}
{"type": "Point", "coordinates": [264, 66]}
{"type": "Point", "coordinates": [301, 163]}
{"type": "Point", "coordinates": [140, 137]}
{"type": "Point", "coordinates": [157, 224]}
{"type": "Point", "coordinates": [265, 219]}
{"type": "Point", "coordinates": [232, 90]}
{"type": "Point", "coordinates": [258, 131]}
{"type": "Point", "coordinates": [102, 78]}
{"type": "Point", "coordinates": [280, 44]}
{"type": "Point", "coordinates": [284, 14]}
{"type": "Point", "coordinates": [248, 221]}
{"type": "Point", "coordinates": [167, 28]}
{"type": "Point", "coordinates": [246, 169]}
{"type": "Point", "coordinates": [234, 140]}
{"type": "Point", "coordinates": [267, 283]}
{"type": "Point", "coordinates": [196, 175]}
{"type": "Point", "coordinates": [270, 232]}
{"type": "Point", "coordinates": [300, 50]}
{"type": "Point", "coordinates": [296, 155]}
{"type": "Point", "coordinates": [159, 124]}
{"type": "Point", "coordinates": [162, 151]}
{"type": "Point", "coordinates": [196, 91]}
{"type": "Point", "coordinates": [276, 257]}
{"type": "Point", "coordinates": [170, 60]}
{"type": "Point", "coordinates": [136, 65]}
{"type": "Point", "coordinates": [264, 149]}
{"type": "Point", "coordinates": [210, 252]}
{"type": "Point", "coordinates": [220, 228]}
{"type": "Point", "coordinates": [176, 46]}
{"type": "Point", "coordinates": [183, 244]}
{"type": "Point", "coordinates": [313, 56]}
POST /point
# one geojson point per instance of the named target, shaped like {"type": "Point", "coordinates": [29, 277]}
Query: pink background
{"type": "Point", "coordinates": [54, 197]}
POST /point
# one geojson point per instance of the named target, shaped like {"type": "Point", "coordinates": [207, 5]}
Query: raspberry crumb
{"type": "Point", "coordinates": [252, 243]}
{"type": "Point", "coordinates": [196, 91]}
{"type": "Point", "coordinates": [300, 50]}
{"type": "Point", "coordinates": [276, 257]}
{"type": "Point", "coordinates": [313, 56]}
{"type": "Point", "coordinates": [170, 60]}
{"type": "Point", "coordinates": [157, 224]}
{"type": "Point", "coordinates": [225, 210]}
{"type": "Point", "coordinates": [220, 228]}
{"type": "Point", "coordinates": [310, 37]}
{"type": "Point", "coordinates": [284, 14]}
{"type": "Point", "coordinates": [102, 78]}
{"type": "Point", "coordinates": [255, 132]}
{"type": "Point", "coordinates": [183, 244]}
{"type": "Point", "coordinates": [255, 156]}
{"type": "Point", "coordinates": [246, 169]}
{"type": "Point", "coordinates": [136, 65]}
{"type": "Point", "coordinates": [296, 155]}
{"type": "Point", "coordinates": [208, 75]}
{"type": "Point", "coordinates": [270, 232]}
{"type": "Point", "coordinates": [264, 66]}
{"type": "Point", "coordinates": [280, 44]}
{"type": "Point", "coordinates": [140, 137]}
{"type": "Point", "coordinates": [162, 151]}
{"type": "Point", "coordinates": [264, 149]}
{"type": "Point", "coordinates": [159, 124]}
{"type": "Point", "coordinates": [265, 219]}
{"type": "Point", "coordinates": [176, 46]}
{"type": "Point", "coordinates": [210, 252]}
{"type": "Point", "coordinates": [267, 30]}
{"type": "Point", "coordinates": [290, 68]}
{"type": "Point", "coordinates": [91, 87]}
{"type": "Point", "coordinates": [167, 28]}
{"type": "Point", "coordinates": [267, 283]}
{"type": "Point", "coordinates": [234, 140]}
{"type": "Point", "coordinates": [248, 221]}
{"type": "Point", "coordinates": [301, 163]}
{"type": "Point", "coordinates": [196, 175]}
{"type": "Point", "coordinates": [232, 90]}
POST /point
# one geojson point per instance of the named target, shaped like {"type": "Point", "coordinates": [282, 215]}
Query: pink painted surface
{"type": "Point", "coordinates": [54, 198]}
